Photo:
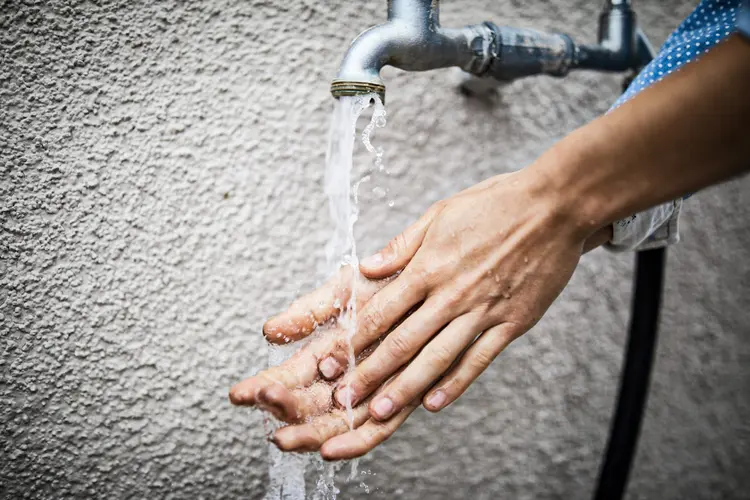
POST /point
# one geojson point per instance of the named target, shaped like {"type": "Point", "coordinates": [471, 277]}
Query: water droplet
{"type": "Point", "coordinates": [379, 192]}
{"type": "Point", "coordinates": [391, 203]}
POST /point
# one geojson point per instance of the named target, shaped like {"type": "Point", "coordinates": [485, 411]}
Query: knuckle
{"type": "Point", "coordinates": [455, 386]}
{"type": "Point", "coordinates": [453, 297]}
{"type": "Point", "coordinates": [515, 330]}
{"type": "Point", "coordinates": [480, 360]}
{"type": "Point", "coordinates": [397, 245]}
{"type": "Point", "coordinates": [399, 346]}
{"type": "Point", "coordinates": [372, 320]}
{"type": "Point", "coordinates": [316, 438]}
{"type": "Point", "coordinates": [440, 356]}
{"type": "Point", "coordinates": [377, 433]}
{"type": "Point", "coordinates": [400, 393]}
{"type": "Point", "coordinates": [339, 350]}
{"type": "Point", "coordinates": [420, 274]}
{"type": "Point", "coordinates": [365, 380]}
{"type": "Point", "coordinates": [338, 426]}
{"type": "Point", "coordinates": [457, 297]}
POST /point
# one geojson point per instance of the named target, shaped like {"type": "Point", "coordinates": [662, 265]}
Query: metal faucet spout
{"type": "Point", "coordinates": [412, 40]}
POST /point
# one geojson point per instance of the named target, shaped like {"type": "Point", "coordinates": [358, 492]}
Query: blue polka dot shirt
{"type": "Point", "coordinates": [710, 23]}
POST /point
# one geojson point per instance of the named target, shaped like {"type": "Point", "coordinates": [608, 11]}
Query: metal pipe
{"type": "Point", "coordinates": [412, 40]}
{"type": "Point", "coordinates": [618, 39]}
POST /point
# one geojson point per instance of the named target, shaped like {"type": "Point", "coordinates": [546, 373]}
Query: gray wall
{"type": "Point", "coordinates": [160, 195]}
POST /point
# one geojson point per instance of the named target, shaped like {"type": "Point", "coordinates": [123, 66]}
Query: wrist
{"type": "Point", "coordinates": [565, 177]}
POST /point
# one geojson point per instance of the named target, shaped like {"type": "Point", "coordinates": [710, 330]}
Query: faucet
{"type": "Point", "coordinates": [413, 40]}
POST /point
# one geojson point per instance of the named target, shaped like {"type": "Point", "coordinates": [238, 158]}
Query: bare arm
{"type": "Point", "coordinates": [685, 133]}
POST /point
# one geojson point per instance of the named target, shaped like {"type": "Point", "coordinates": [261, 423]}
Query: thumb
{"type": "Point", "coordinates": [400, 250]}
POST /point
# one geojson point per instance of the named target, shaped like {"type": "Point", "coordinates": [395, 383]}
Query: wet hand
{"type": "Point", "coordinates": [330, 433]}
{"type": "Point", "coordinates": [294, 390]}
{"type": "Point", "coordinates": [295, 393]}
{"type": "Point", "coordinates": [479, 270]}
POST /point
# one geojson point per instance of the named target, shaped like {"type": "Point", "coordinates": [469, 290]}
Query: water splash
{"type": "Point", "coordinates": [287, 471]}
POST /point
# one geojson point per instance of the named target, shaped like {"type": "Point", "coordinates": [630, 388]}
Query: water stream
{"type": "Point", "coordinates": [342, 195]}
{"type": "Point", "coordinates": [287, 471]}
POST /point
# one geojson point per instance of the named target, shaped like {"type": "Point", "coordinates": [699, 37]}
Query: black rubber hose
{"type": "Point", "coordinates": [639, 356]}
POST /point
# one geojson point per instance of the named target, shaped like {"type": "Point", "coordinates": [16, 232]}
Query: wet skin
{"type": "Point", "coordinates": [296, 393]}
{"type": "Point", "coordinates": [309, 390]}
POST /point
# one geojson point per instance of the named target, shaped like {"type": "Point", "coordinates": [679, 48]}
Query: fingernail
{"type": "Point", "coordinates": [329, 367]}
{"type": "Point", "coordinates": [345, 396]}
{"type": "Point", "coordinates": [436, 400]}
{"type": "Point", "coordinates": [383, 408]}
{"type": "Point", "coordinates": [373, 260]}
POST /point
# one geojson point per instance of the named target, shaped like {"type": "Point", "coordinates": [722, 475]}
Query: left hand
{"type": "Point", "coordinates": [481, 268]}
{"type": "Point", "coordinates": [295, 393]}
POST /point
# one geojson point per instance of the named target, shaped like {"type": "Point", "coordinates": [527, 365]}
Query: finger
{"type": "Point", "coordinates": [400, 250]}
{"type": "Point", "coordinates": [421, 373]}
{"type": "Point", "coordinates": [475, 360]}
{"type": "Point", "coordinates": [382, 312]}
{"type": "Point", "coordinates": [356, 443]}
{"type": "Point", "coordinates": [300, 370]}
{"type": "Point", "coordinates": [315, 308]}
{"type": "Point", "coordinates": [310, 436]}
{"type": "Point", "coordinates": [397, 349]}
{"type": "Point", "coordinates": [295, 405]}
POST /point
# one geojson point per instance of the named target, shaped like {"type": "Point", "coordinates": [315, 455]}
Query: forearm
{"type": "Point", "coordinates": [689, 131]}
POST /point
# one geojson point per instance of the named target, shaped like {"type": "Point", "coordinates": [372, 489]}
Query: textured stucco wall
{"type": "Point", "coordinates": [160, 195]}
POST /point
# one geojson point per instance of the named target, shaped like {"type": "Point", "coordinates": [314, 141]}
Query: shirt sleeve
{"type": "Point", "coordinates": [653, 228]}
{"type": "Point", "coordinates": [710, 23]}
{"type": "Point", "coordinates": [743, 19]}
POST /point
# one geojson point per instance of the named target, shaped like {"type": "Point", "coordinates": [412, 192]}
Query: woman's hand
{"type": "Point", "coordinates": [295, 393]}
{"type": "Point", "coordinates": [480, 269]}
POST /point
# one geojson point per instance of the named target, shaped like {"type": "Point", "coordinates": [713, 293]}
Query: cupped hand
{"type": "Point", "coordinates": [479, 270]}
{"type": "Point", "coordinates": [295, 393]}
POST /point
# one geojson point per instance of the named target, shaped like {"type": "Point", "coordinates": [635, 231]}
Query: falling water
{"type": "Point", "coordinates": [286, 471]}
{"type": "Point", "coordinates": [343, 197]}
{"type": "Point", "coordinates": [343, 204]}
